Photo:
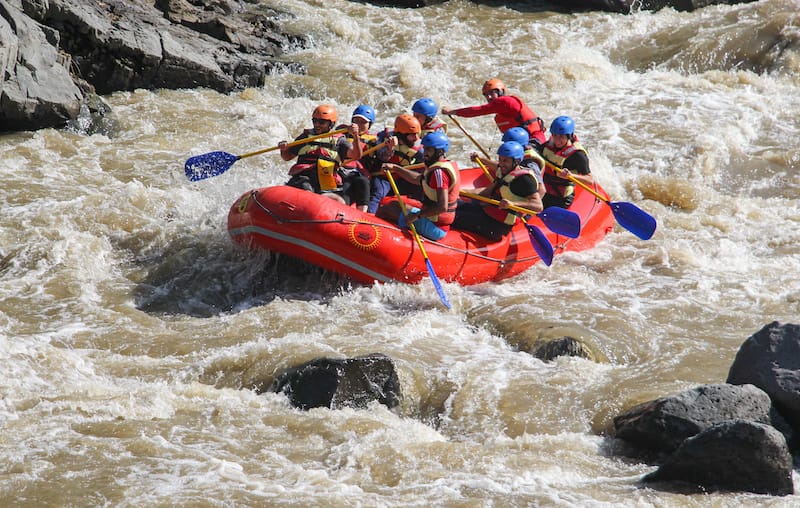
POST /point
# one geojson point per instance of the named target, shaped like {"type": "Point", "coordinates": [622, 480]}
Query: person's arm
{"type": "Point", "coordinates": [577, 165]}
{"type": "Point", "coordinates": [527, 186]}
{"type": "Point", "coordinates": [408, 175]}
{"type": "Point", "coordinates": [290, 152]}
{"type": "Point", "coordinates": [440, 181]}
{"type": "Point", "coordinates": [355, 150]}
{"type": "Point", "coordinates": [472, 111]}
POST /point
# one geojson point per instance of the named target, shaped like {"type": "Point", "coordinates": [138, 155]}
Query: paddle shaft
{"type": "Point", "coordinates": [295, 143]}
{"type": "Point", "coordinates": [405, 213]}
{"type": "Point", "coordinates": [436, 284]}
{"type": "Point", "coordinates": [458, 124]}
{"type": "Point", "coordinates": [369, 151]}
{"type": "Point", "coordinates": [495, 202]}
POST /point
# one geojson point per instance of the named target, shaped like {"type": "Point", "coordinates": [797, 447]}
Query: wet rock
{"type": "Point", "coordinates": [36, 89]}
{"type": "Point", "coordinates": [124, 45]}
{"type": "Point", "coordinates": [662, 425]}
{"type": "Point", "coordinates": [335, 383]}
{"type": "Point", "coordinates": [770, 360]}
{"type": "Point", "coordinates": [739, 455]}
{"type": "Point", "coordinates": [564, 346]}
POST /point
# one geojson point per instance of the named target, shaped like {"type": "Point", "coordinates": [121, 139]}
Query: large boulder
{"type": "Point", "coordinates": [662, 425]}
{"type": "Point", "coordinates": [734, 456]}
{"type": "Point", "coordinates": [337, 383]}
{"type": "Point", "coordinates": [37, 89]}
{"type": "Point", "coordinates": [55, 53]}
{"type": "Point", "coordinates": [770, 360]}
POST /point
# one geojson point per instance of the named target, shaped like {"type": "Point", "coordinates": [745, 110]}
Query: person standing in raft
{"type": "Point", "coordinates": [531, 160]}
{"type": "Point", "coordinates": [403, 149]}
{"type": "Point", "coordinates": [440, 182]}
{"type": "Point", "coordinates": [512, 185]}
{"type": "Point", "coordinates": [318, 161]}
{"type": "Point", "coordinates": [425, 110]}
{"type": "Point", "coordinates": [564, 157]}
{"type": "Point", "coordinates": [508, 110]}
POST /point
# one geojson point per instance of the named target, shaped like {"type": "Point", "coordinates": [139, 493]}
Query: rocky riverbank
{"type": "Point", "coordinates": [58, 57]}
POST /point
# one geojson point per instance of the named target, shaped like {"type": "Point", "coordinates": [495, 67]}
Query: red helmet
{"type": "Point", "coordinates": [406, 124]}
{"type": "Point", "coordinates": [494, 84]}
{"type": "Point", "coordinates": [326, 112]}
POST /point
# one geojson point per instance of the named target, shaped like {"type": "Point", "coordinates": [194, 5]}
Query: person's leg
{"type": "Point", "coordinates": [379, 189]}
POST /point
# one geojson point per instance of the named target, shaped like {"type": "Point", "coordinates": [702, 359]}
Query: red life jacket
{"type": "Point", "coordinates": [554, 184]}
{"type": "Point", "coordinates": [524, 118]}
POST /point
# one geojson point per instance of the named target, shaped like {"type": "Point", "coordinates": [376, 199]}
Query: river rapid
{"type": "Point", "coordinates": [131, 327]}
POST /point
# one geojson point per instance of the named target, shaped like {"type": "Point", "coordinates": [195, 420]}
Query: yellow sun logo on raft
{"type": "Point", "coordinates": [363, 235]}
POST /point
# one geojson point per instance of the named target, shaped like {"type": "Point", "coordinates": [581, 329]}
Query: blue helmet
{"type": "Point", "coordinates": [511, 149]}
{"type": "Point", "coordinates": [517, 134]}
{"type": "Point", "coordinates": [425, 106]}
{"type": "Point", "coordinates": [436, 139]}
{"type": "Point", "coordinates": [364, 112]}
{"type": "Point", "coordinates": [563, 125]}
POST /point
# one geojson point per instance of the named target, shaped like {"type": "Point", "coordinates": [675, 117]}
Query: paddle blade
{"type": "Point", "coordinates": [541, 244]}
{"type": "Point", "coordinates": [437, 284]}
{"type": "Point", "coordinates": [634, 219]}
{"type": "Point", "coordinates": [209, 164]}
{"type": "Point", "coordinates": [561, 221]}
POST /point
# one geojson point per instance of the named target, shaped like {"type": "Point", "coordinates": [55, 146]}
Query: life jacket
{"type": "Point", "coordinates": [404, 155]}
{"type": "Point", "coordinates": [502, 190]}
{"type": "Point", "coordinates": [526, 119]}
{"type": "Point", "coordinates": [531, 155]}
{"type": "Point", "coordinates": [554, 184]}
{"type": "Point", "coordinates": [319, 160]}
{"type": "Point", "coordinates": [434, 125]}
{"type": "Point", "coordinates": [446, 218]}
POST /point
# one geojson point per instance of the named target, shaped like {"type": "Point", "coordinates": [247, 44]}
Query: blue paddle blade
{"type": "Point", "coordinates": [209, 164]}
{"type": "Point", "coordinates": [541, 244]}
{"type": "Point", "coordinates": [561, 221]}
{"type": "Point", "coordinates": [634, 219]}
{"type": "Point", "coordinates": [437, 284]}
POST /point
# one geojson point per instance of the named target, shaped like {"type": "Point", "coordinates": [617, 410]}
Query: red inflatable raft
{"type": "Point", "coordinates": [342, 239]}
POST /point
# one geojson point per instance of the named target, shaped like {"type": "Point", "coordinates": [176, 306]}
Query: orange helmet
{"type": "Point", "coordinates": [406, 124]}
{"type": "Point", "coordinates": [326, 112]}
{"type": "Point", "coordinates": [494, 84]}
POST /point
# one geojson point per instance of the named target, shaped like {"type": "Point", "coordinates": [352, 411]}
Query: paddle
{"type": "Point", "coordinates": [211, 164]}
{"type": "Point", "coordinates": [458, 124]}
{"type": "Point", "coordinates": [629, 216]}
{"type": "Point", "coordinates": [540, 243]}
{"type": "Point", "coordinates": [434, 278]}
{"type": "Point", "coordinates": [558, 220]}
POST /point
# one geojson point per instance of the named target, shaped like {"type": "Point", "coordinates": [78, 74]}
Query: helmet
{"type": "Point", "coordinates": [494, 84]}
{"type": "Point", "coordinates": [563, 125]}
{"type": "Point", "coordinates": [437, 140]}
{"type": "Point", "coordinates": [326, 112]}
{"type": "Point", "coordinates": [365, 112]}
{"type": "Point", "coordinates": [406, 124]}
{"type": "Point", "coordinates": [425, 107]}
{"type": "Point", "coordinates": [511, 149]}
{"type": "Point", "coordinates": [517, 134]}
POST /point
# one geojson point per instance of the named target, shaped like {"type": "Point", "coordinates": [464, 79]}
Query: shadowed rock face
{"type": "Point", "coordinates": [56, 53]}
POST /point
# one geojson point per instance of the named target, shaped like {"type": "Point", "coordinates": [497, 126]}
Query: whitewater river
{"type": "Point", "coordinates": [131, 327]}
